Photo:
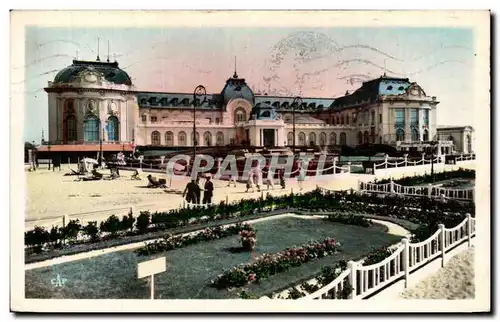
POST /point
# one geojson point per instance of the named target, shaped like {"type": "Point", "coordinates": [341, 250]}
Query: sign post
{"type": "Point", "coordinates": [151, 267]}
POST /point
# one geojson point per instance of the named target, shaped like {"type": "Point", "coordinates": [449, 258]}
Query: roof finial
{"type": "Point", "coordinates": [385, 69]}
{"type": "Point", "coordinates": [114, 57]}
{"type": "Point", "coordinates": [108, 52]}
{"type": "Point", "coordinates": [43, 139]}
{"type": "Point", "coordinates": [77, 54]}
{"type": "Point", "coordinates": [98, 39]}
{"type": "Point", "coordinates": [235, 74]}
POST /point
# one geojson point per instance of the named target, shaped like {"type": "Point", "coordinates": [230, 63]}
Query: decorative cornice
{"type": "Point", "coordinates": [81, 90]}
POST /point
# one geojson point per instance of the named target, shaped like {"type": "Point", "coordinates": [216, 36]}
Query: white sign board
{"type": "Point", "coordinates": [151, 267]}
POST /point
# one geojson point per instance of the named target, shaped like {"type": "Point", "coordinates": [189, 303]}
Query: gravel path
{"type": "Point", "coordinates": [455, 281]}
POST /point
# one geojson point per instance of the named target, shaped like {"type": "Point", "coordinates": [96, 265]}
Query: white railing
{"type": "Point", "coordinates": [366, 280]}
{"type": "Point", "coordinates": [406, 163]}
{"type": "Point", "coordinates": [429, 191]}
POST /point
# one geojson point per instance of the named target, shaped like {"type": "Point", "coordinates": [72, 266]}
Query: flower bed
{"type": "Point", "coordinates": [171, 242]}
{"type": "Point", "coordinates": [427, 178]}
{"type": "Point", "coordinates": [403, 207]}
{"type": "Point", "coordinates": [350, 219]}
{"type": "Point", "coordinates": [271, 264]}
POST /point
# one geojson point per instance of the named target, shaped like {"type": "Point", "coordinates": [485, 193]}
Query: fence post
{"type": "Point", "coordinates": [386, 159]}
{"type": "Point", "coordinates": [406, 259]}
{"type": "Point", "coordinates": [334, 166]}
{"type": "Point", "coordinates": [65, 220]}
{"type": "Point", "coordinates": [406, 160]}
{"type": "Point", "coordinates": [423, 158]}
{"type": "Point", "coordinates": [392, 186]}
{"type": "Point", "coordinates": [351, 265]}
{"type": "Point", "coordinates": [429, 190]}
{"type": "Point", "coordinates": [443, 242]}
{"type": "Point", "coordinates": [469, 229]}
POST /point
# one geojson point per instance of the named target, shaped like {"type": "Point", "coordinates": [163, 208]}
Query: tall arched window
{"type": "Point", "coordinates": [302, 138]}
{"type": "Point", "coordinates": [312, 138]}
{"type": "Point", "coordinates": [400, 134]}
{"type": "Point", "coordinates": [469, 143]}
{"type": "Point", "coordinates": [113, 128]}
{"type": "Point", "coordinates": [219, 138]}
{"type": "Point", "coordinates": [240, 115]}
{"type": "Point", "coordinates": [366, 137]}
{"type": "Point", "coordinates": [415, 136]}
{"type": "Point", "coordinates": [343, 139]}
{"type": "Point", "coordinates": [155, 138]}
{"type": "Point", "coordinates": [169, 138]}
{"type": "Point", "coordinates": [182, 138]}
{"type": "Point", "coordinates": [91, 129]}
{"type": "Point", "coordinates": [71, 128]}
{"type": "Point", "coordinates": [207, 138]}
{"type": "Point", "coordinates": [290, 138]}
{"type": "Point", "coordinates": [333, 138]}
{"type": "Point", "coordinates": [195, 140]}
{"type": "Point", "coordinates": [69, 122]}
{"type": "Point", "coordinates": [322, 138]}
{"type": "Point", "coordinates": [360, 138]}
{"type": "Point", "coordinates": [426, 136]}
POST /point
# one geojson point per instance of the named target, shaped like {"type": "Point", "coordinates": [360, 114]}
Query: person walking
{"type": "Point", "coordinates": [250, 180]}
{"type": "Point", "coordinates": [232, 179]}
{"type": "Point", "coordinates": [189, 192]}
{"type": "Point", "coordinates": [281, 175]}
{"type": "Point", "coordinates": [208, 191]}
{"type": "Point", "coordinates": [197, 190]}
{"type": "Point", "coordinates": [302, 175]}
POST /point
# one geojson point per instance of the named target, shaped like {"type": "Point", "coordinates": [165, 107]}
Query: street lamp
{"type": "Point", "coordinates": [200, 93]}
{"type": "Point", "coordinates": [101, 136]}
{"type": "Point", "coordinates": [297, 100]}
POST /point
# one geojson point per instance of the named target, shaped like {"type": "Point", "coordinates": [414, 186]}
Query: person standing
{"type": "Point", "coordinates": [189, 192]}
{"type": "Point", "coordinates": [197, 190]}
{"type": "Point", "coordinates": [208, 191]}
{"type": "Point", "coordinates": [281, 174]}
{"type": "Point", "coordinates": [302, 174]}
{"type": "Point", "coordinates": [250, 180]}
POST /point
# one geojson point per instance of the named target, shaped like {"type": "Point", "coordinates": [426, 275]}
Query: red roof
{"type": "Point", "coordinates": [106, 147]}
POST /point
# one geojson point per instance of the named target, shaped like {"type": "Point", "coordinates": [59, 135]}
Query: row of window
{"type": "Point", "coordinates": [91, 127]}
{"type": "Point", "coordinates": [399, 118]}
{"type": "Point", "coordinates": [154, 119]}
{"type": "Point", "coordinates": [415, 135]}
{"type": "Point", "coordinates": [182, 138]}
{"type": "Point", "coordinates": [322, 139]}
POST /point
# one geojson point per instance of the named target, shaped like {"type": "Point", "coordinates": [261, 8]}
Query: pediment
{"type": "Point", "coordinates": [414, 90]}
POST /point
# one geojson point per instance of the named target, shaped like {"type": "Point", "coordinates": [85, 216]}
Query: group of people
{"type": "Point", "coordinates": [192, 192]}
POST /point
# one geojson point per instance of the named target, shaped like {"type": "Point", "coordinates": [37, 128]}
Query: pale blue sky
{"type": "Point", "coordinates": [316, 62]}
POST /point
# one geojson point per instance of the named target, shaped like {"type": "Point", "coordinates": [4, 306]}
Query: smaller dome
{"type": "Point", "coordinates": [237, 88]}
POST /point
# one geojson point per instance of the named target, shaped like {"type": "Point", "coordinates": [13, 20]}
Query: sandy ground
{"type": "Point", "coordinates": [51, 195]}
{"type": "Point", "coordinates": [455, 281]}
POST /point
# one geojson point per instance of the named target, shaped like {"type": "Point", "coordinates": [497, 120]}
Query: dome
{"type": "Point", "coordinates": [237, 88]}
{"type": "Point", "coordinates": [110, 71]}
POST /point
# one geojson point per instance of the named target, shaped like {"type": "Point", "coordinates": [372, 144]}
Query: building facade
{"type": "Point", "coordinates": [94, 101]}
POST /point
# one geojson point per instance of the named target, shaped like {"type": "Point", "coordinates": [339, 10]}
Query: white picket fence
{"type": "Point", "coordinates": [408, 257]}
{"type": "Point", "coordinates": [420, 191]}
{"type": "Point", "coordinates": [406, 163]}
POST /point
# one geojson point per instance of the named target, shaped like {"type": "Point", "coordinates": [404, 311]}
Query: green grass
{"type": "Point", "coordinates": [190, 269]}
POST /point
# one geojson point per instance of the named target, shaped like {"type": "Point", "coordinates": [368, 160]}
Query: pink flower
{"type": "Point", "coordinates": [251, 277]}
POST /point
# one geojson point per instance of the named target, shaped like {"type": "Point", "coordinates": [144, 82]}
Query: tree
{"type": "Point", "coordinates": [143, 221]}
{"type": "Point", "coordinates": [111, 225]}
{"type": "Point", "coordinates": [92, 231]}
{"type": "Point", "coordinates": [128, 222]}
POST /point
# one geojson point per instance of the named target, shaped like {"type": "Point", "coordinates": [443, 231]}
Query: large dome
{"type": "Point", "coordinates": [237, 88]}
{"type": "Point", "coordinates": [110, 71]}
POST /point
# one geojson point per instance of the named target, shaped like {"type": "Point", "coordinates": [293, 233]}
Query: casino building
{"type": "Point", "coordinates": [94, 105]}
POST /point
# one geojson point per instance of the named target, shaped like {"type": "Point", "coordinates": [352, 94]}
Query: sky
{"type": "Point", "coordinates": [310, 62]}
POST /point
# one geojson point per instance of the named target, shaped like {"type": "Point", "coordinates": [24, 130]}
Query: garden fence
{"type": "Point", "coordinates": [407, 163]}
{"type": "Point", "coordinates": [366, 280]}
{"type": "Point", "coordinates": [419, 191]}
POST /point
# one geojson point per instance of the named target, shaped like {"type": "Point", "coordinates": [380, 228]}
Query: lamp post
{"type": "Point", "coordinates": [199, 93]}
{"type": "Point", "coordinates": [101, 136]}
{"type": "Point", "coordinates": [433, 146]}
{"type": "Point", "coordinates": [297, 100]}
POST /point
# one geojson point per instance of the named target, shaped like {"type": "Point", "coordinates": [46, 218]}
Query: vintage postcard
{"type": "Point", "coordinates": [277, 161]}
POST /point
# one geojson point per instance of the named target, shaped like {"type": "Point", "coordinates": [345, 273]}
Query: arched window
{"type": "Point", "coordinates": [343, 139]}
{"type": "Point", "coordinates": [182, 138]}
{"type": "Point", "coordinates": [426, 136]}
{"type": "Point", "coordinates": [155, 138]}
{"type": "Point", "coordinates": [112, 128]}
{"type": "Point", "coordinates": [347, 119]}
{"type": "Point", "coordinates": [71, 133]}
{"type": "Point", "coordinates": [415, 135]}
{"type": "Point", "coordinates": [290, 138]}
{"type": "Point", "coordinates": [240, 115]}
{"type": "Point", "coordinates": [366, 137]}
{"type": "Point", "coordinates": [451, 138]}
{"type": "Point", "coordinates": [333, 138]}
{"type": "Point", "coordinates": [169, 138]}
{"type": "Point", "coordinates": [469, 143]}
{"type": "Point", "coordinates": [195, 141]}
{"type": "Point", "coordinates": [373, 116]}
{"type": "Point", "coordinates": [302, 138]}
{"type": "Point", "coordinates": [322, 138]}
{"type": "Point", "coordinates": [219, 138]}
{"type": "Point", "coordinates": [91, 129]}
{"type": "Point", "coordinates": [360, 138]}
{"type": "Point", "coordinates": [207, 138]}
{"type": "Point", "coordinates": [400, 134]}
{"type": "Point", "coordinates": [312, 138]}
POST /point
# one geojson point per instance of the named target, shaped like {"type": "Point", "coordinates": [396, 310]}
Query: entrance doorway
{"type": "Point", "coordinates": [268, 137]}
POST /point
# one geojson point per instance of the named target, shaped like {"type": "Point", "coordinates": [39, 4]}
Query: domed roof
{"type": "Point", "coordinates": [237, 88]}
{"type": "Point", "coordinates": [110, 71]}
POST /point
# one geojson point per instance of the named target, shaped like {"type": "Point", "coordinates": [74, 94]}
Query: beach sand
{"type": "Point", "coordinates": [455, 281]}
{"type": "Point", "coordinates": [51, 195]}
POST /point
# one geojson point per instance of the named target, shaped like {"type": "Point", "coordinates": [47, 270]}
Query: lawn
{"type": "Point", "coordinates": [190, 269]}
